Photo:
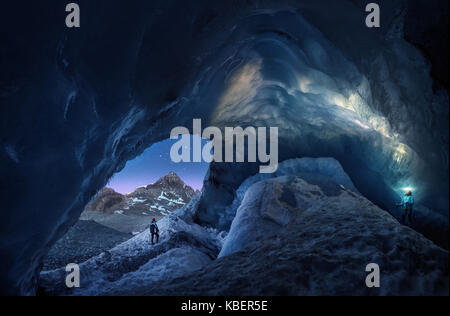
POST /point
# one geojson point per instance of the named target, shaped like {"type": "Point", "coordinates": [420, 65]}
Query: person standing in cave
{"type": "Point", "coordinates": [154, 230]}
{"type": "Point", "coordinates": [407, 205]}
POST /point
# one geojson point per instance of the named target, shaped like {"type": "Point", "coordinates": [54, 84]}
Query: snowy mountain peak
{"type": "Point", "coordinates": [169, 180]}
{"type": "Point", "coordinates": [154, 200]}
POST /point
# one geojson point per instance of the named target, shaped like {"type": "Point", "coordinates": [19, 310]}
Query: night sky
{"type": "Point", "coordinates": [155, 163]}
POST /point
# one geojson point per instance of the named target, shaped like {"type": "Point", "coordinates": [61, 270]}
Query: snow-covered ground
{"type": "Point", "coordinates": [298, 234]}
{"type": "Point", "coordinates": [291, 237]}
{"type": "Point", "coordinates": [183, 247]}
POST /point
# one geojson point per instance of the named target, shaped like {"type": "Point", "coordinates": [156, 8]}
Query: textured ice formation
{"type": "Point", "coordinates": [76, 105]}
{"type": "Point", "coordinates": [311, 168]}
{"type": "Point", "coordinates": [291, 237]}
{"type": "Point", "coordinates": [183, 247]}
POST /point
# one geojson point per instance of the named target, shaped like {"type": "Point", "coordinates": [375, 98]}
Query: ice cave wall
{"type": "Point", "coordinates": [77, 104]}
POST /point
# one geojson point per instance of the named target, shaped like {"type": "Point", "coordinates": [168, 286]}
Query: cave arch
{"type": "Point", "coordinates": [90, 101]}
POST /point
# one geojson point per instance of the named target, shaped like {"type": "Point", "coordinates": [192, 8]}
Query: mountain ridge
{"type": "Point", "coordinates": [158, 199]}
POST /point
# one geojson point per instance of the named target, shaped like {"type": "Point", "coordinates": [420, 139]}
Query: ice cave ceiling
{"type": "Point", "coordinates": [77, 104]}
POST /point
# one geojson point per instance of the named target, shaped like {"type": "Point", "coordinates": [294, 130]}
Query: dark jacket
{"type": "Point", "coordinates": [154, 228]}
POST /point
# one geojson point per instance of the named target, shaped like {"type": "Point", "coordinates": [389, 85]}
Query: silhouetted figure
{"type": "Point", "coordinates": [407, 205]}
{"type": "Point", "coordinates": [154, 230]}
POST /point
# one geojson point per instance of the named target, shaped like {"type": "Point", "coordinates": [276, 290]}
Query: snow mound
{"type": "Point", "coordinates": [183, 247]}
{"type": "Point", "coordinates": [171, 264]}
{"type": "Point", "coordinates": [291, 237]}
{"type": "Point", "coordinates": [310, 168]}
{"type": "Point", "coordinates": [270, 205]}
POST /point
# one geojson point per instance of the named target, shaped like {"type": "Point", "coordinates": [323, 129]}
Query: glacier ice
{"type": "Point", "coordinates": [327, 167]}
{"type": "Point", "coordinates": [291, 237]}
{"type": "Point", "coordinates": [77, 108]}
{"type": "Point", "coordinates": [183, 247]}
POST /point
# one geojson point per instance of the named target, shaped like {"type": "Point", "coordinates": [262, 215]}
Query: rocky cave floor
{"type": "Point", "coordinates": [86, 239]}
{"type": "Point", "coordinates": [303, 234]}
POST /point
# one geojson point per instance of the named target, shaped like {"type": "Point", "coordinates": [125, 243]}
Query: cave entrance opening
{"type": "Point", "coordinates": [149, 186]}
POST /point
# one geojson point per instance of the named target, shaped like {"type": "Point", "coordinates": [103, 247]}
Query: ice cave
{"type": "Point", "coordinates": [361, 114]}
